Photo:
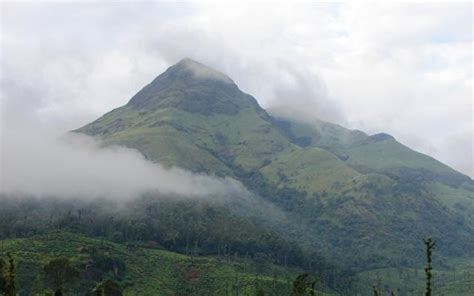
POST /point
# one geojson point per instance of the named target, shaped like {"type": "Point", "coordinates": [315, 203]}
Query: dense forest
{"type": "Point", "coordinates": [100, 245]}
{"type": "Point", "coordinates": [185, 226]}
{"type": "Point", "coordinates": [194, 228]}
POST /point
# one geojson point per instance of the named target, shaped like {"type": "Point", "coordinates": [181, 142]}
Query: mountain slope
{"type": "Point", "coordinates": [382, 154]}
{"type": "Point", "coordinates": [195, 121]}
{"type": "Point", "coordinates": [346, 190]}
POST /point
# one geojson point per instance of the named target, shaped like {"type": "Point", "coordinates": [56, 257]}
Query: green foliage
{"type": "Point", "coordinates": [451, 278]}
{"type": "Point", "coordinates": [186, 226]}
{"type": "Point", "coordinates": [149, 270]}
{"type": "Point", "coordinates": [429, 243]}
{"type": "Point", "coordinates": [260, 292]}
{"type": "Point", "coordinates": [107, 287]}
{"type": "Point", "coordinates": [304, 285]}
{"type": "Point", "coordinates": [8, 286]}
{"type": "Point", "coordinates": [3, 280]}
{"type": "Point", "coordinates": [59, 272]}
{"type": "Point", "coordinates": [376, 291]}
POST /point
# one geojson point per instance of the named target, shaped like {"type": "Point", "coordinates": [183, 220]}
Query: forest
{"type": "Point", "coordinates": [193, 228]}
{"type": "Point", "coordinates": [99, 247]}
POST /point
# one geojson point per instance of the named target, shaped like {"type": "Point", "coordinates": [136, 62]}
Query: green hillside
{"type": "Point", "coordinates": [311, 170]}
{"type": "Point", "coordinates": [377, 153]}
{"type": "Point", "coordinates": [382, 154]}
{"type": "Point", "coordinates": [342, 190]}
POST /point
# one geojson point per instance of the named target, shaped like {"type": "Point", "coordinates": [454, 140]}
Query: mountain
{"type": "Point", "coordinates": [363, 201]}
{"type": "Point", "coordinates": [193, 117]}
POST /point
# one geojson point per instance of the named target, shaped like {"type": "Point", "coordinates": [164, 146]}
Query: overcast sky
{"type": "Point", "coordinates": [403, 69]}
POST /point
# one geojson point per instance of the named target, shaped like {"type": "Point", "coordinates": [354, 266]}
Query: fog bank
{"type": "Point", "coordinates": [40, 163]}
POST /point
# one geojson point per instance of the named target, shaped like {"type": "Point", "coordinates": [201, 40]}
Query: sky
{"type": "Point", "coordinates": [403, 69]}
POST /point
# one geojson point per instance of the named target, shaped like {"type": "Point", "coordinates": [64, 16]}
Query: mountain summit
{"type": "Point", "coordinates": [359, 199]}
{"type": "Point", "coordinates": [192, 87]}
{"type": "Point", "coordinates": [199, 71]}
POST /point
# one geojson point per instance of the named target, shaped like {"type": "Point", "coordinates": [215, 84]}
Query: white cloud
{"type": "Point", "coordinates": [405, 69]}
{"type": "Point", "coordinates": [39, 163]}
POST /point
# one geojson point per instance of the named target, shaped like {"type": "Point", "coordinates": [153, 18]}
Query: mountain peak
{"type": "Point", "coordinates": [193, 87]}
{"type": "Point", "coordinates": [199, 71]}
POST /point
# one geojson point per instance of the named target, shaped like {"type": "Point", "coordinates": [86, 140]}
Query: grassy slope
{"type": "Point", "coordinates": [209, 143]}
{"type": "Point", "coordinates": [460, 199]}
{"type": "Point", "coordinates": [326, 135]}
{"type": "Point", "coordinates": [392, 206]}
{"type": "Point", "coordinates": [311, 169]}
{"type": "Point", "coordinates": [191, 140]}
{"type": "Point", "coordinates": [382, 154]}
{"type": "Point", "coordinates": [150, 271]}
{"type": "Point", "coordinates": [389, 154]}
{"type": "Point", "coordinates": [157, 135]}
{"type": "Point", "coordinates": [379, 152]}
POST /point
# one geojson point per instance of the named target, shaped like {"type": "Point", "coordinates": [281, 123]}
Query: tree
{"type": "Point", "coordinates": [304, 285]}
{"type": "Point", "coordinates": [376, 291]}
{"type": "Point", "coordinates": [2, 276]}
{"type": "Point", "coordinates": [7, 276]}
{"type": "Point", "coordinates": [108, 287]}
{"type": "Point", "coordinates": [60, 271]}
{"type": "Point", "coordinates": [429, 243]}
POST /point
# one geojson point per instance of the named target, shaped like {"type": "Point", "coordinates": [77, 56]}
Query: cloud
{"type": "Point", "coordinates": [75, 166]}
{"type": "Point", "coordinates": [404, 69]}
{"type": "Point", "coordinates": [200, 71]}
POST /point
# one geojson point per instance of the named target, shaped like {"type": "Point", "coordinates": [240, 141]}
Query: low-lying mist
{"type": "Point", "coordinates": [76, 166]}
{"type": "Point", "coordinates": [47, 164]}
{"type": "Point", "coordinates": [48, 177]}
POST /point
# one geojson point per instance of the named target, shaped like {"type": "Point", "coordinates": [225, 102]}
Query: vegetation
{"type": "Point", "coordinates": [107, 287]}
{"type": "Point", "coordinates": [304, 285]}
{"type": "Point", "coordinates": [8, 286]}
{"type": "Point", "coordinates": [59, 272]}
{"type": "Point", "coordinates": [186, 226]}
{"type": "Point", "coordinates": [149, 270]}
{"type": "Point", "coordinates": [145, 270]}
{"type": "Point", "coordinates": [429, 243]}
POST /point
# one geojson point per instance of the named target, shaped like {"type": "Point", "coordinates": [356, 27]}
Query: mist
{"type": "Point", "coordinates": [42, 163]}
{"type": "Point", "coordinates": [47, 165]}
{"type": "Point", "coordinates": [200, 71]}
